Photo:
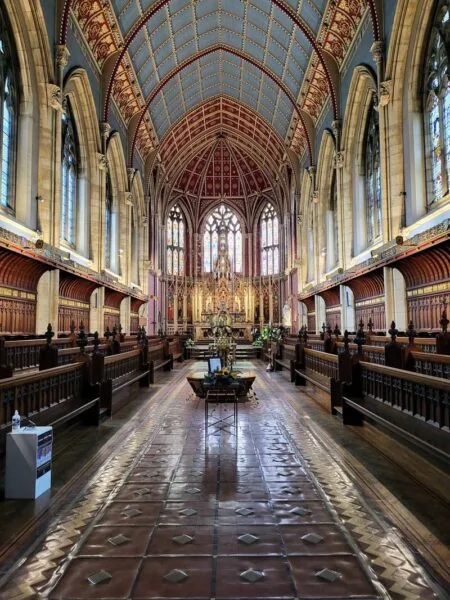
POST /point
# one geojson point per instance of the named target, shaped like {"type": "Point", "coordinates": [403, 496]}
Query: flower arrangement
{"type": "Point", "coordinates": [258, 343]}
{"type": "Point", "coordinates": [270, 333]}
{"type": "Point", "coordinates": [222, 376]}
{"type": "Point", "coordinates": [189, 343]}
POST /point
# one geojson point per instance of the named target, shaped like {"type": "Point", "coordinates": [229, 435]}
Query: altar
{"type": "Point", "coordinates": [196, 380]}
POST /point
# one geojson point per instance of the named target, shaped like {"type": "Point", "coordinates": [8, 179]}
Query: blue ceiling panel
{"type": "Point", "coordinates": [257, 28]}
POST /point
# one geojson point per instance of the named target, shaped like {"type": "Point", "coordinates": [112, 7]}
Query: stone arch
{"type": "Point", "coordinates": [405, 70]}
{"type": "Point", "coordinates": [119, 183]}
{"type": "Point", "coordinates": [77, 88]}
{"type": "Point", "coordinates": [363, 89]}
{"type": "Point", "coordinates": [34, 134]}
{"type": "Point", "coordinates": [325, 227]}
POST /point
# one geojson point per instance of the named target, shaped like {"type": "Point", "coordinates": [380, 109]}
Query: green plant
{"type": "Point", "coordinates": [270, 333]}
{"type": "Point", "coordinates": [258, 343]}
{"type": "Point", "coordinates": [189, 343]}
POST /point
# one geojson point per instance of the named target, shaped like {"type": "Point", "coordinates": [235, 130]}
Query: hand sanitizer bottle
{"type": "Point", "coordinates": [16, 421]}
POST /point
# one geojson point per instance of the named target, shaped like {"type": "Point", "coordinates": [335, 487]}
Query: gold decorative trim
{"type": "Point", "coordinates": [13, 293]}
{"type": "Point", "coordinates": [74, 303]}
{"type": "Point", "coordinates": [370, 301]}
{"type": "Point", "coordinates": [430, 289]}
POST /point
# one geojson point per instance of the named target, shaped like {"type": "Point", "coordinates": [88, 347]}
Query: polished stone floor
{"type": "Point", "coordinates": [278, 503]}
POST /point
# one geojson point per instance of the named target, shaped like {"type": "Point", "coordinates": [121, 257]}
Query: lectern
{"type": "Point", "coordinates": [28, 462]}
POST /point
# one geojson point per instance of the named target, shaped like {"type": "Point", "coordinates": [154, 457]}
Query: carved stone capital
{"type": "Point", "coordinates": [315, 196]}
{"type": "Point", "coordinates": [54, 97]}
{"type": "Point", "coordinates": [336, 127]}
{"type": "Point", "coordinates": [128, 198]}
{"type": "Point", "coordinates": [385, 93]}
{"type": "Point", "coordinates": [102, 161]}
{"type": "Point", "coordinates": [105, 129]}
{"type": "Point", "coordinates": [377, 50]}
{"type": "Point", "coordinates": [338, 159]}
{"type": "Point", "coordinates": [62, 55]}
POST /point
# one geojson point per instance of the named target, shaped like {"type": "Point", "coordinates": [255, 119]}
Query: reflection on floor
{"type": "Point", "coordinates": [270, 505]}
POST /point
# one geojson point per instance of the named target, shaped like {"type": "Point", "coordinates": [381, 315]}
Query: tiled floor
{"type": "Point", "coordinates": [250, 509]}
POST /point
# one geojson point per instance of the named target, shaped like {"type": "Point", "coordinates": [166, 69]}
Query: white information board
{"type": "Point", "coordinates": [28, 462]}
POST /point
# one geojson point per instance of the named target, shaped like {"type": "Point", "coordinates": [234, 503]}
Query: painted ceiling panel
{"type": "Point", "coordinates": [182, 28]}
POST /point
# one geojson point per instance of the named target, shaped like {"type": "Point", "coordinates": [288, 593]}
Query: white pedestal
{"type": "Point", "coordinates": [28, 462]}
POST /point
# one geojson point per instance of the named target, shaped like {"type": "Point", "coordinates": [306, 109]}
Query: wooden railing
{"type": "Point", "coordinates": [436, 365]}
{"type": "Point", "coordinates": [118, 366]}
{"type": "Point", "coordinates": [322, 363]}
{"type": "Point", "coordinates": [425, 344]}
{"type": "Point", "coordinates": [413, 405]}
{"type": "Point", "coordinates": [31, 394]}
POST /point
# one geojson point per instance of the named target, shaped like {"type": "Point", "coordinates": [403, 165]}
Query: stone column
{"type": "Point", "coordinates": [125, 316]}
{"type": "Point", "coordinates": [47, 301]}
{"type": "Point", "coordinates": [97, 309]}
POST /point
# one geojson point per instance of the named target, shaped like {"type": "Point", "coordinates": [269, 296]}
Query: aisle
{"type": "Point", "coordinates": [254, 510]}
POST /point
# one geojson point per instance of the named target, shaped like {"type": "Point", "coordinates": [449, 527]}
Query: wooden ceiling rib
{"type": "Point", "coordinates": [367, 286]}
{"type": "Point", "coordinates": [75, 287]}
{"type": "Point", "coordinates": [19, 272]}
{"type": "Point", "coordinates": [425, 267]}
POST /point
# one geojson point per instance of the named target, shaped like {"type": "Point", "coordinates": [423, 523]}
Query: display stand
{"type": "Point", "coordinates": [28, 462]}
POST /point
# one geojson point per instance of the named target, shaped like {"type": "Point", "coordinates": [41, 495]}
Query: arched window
{"type": "Point", "coordinates": [222, 232]}
{"type": "Point", "coordinates": [8, 115]}
{"type": "Point", "coordinates": [108, 221]}
{"type": "Point", "coordinates": [372, 177]}
{"type": "Point", "coordinates": [334, 229]}
{"type": "Point", "coordinates": [134, 248]}
{"type": "Point", "coordinates": [69, 184]}
{"type": "Point", "coordinates": [270, 249]}
{"type": "Point", "coordinates": [175, 242]}
{"type": "Point", "coordinates": [437, 106]}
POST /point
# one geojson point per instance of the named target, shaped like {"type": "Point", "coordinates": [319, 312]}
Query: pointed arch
{"type": "Point", "coordinates": [328, 221]}
{"type": "Point", "coordinates": [360, 105]}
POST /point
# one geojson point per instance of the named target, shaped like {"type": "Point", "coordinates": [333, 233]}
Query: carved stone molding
{"type": "Point", "coordinates": [336, 127]}
{"type": "Point", "coordinates": [315, 196]}
{"type": "Point", "coordinates": [54, 97]}
{"type": "Point", "coordinates": [102, 161]}
{"type": "Point", "coordinates": [129, 199]}
{"type": "Point", "coordinates": [62, 55]}
{"type": "Point", "coordinates": [105, 129]}
{"type": "Point", "coordinates": [338, 159]}
{"type": "Point", "coordinates": [385, 92]}
{"type": "Point", "coordinates": [377, 50]}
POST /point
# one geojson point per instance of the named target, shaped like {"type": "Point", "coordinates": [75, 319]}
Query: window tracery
{"type": "Point", "coordinates": [372, 177]}
{"type": "Point", "coordinates": [222, 231]}
{"type": "Point", "coordinates": [175, 242]}
{"type": "Point", "coordinates": [8, 115]}
{"type": "Point", "coordinates": [69, 167]}
{"type": "Point", "coordinates": [437, 106]}
{"type": "Point", "coordinates": [270, 249]}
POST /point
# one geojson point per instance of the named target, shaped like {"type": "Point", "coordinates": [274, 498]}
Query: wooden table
{"type": "Point", "coordinates": [196, 380]}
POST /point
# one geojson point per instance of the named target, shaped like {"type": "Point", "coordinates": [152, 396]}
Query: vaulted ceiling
{"type": "Point", "coordinates": [183, 72]}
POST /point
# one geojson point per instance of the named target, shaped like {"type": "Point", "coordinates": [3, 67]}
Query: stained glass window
{"type": "Point", "coordinates": [270, 263]}
{"type": "Point", "coordinates": [372, 176]}
{"type": "Point", "coordinates": [69, 168]}
{"type": "Point", "coordinates": [175, 241]}
{"type": "Point", "coordinates": [437, 107]}
{"type": "Point", "coordinates": [108, 221]}
{"type": "Point", "coordinates": [222, 231]}
{"type": "Point", "coordinates": [8, 115]}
